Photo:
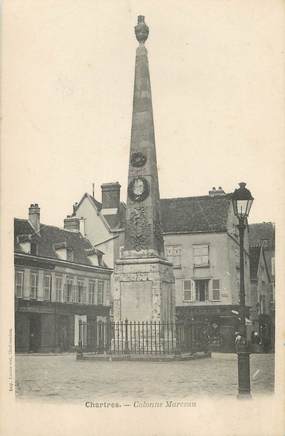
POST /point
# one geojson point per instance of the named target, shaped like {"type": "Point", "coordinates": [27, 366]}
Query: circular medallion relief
{"type": "Point", "coordinates": [138, 189]}
{"type": "Point", "coordinates": [138, 159]}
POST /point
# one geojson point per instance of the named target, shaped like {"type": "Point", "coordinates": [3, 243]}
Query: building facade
{"type": "Point", "coordinates": [201, 240]}
{"type": "Point", "coordinates": [60, 280]}
{"type": "Point", "coordinates": [262, 276]}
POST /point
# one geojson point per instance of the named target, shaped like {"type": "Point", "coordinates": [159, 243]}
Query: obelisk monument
{"type": "Point", "coordinates": [143, 278]}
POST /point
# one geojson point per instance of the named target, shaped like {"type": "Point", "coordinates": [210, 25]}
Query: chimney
{"type": "Point", "coordinates": [72, 223]}
{"type": "Point", "coordinates": [216, 192]}
{"type": "Point", "coordinates": [110, 198]}
{"type": "Point", "coordinates": [34, 216]}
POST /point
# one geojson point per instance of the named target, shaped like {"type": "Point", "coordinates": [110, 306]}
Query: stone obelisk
{"type": "Point", "coordinates": [143, 278]}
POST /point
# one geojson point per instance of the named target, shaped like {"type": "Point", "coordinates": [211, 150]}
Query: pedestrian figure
{"type": "Point", "coordinates": [237, 338]}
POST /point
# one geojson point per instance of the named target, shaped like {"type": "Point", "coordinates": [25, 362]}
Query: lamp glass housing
{"type": "Point", "coordinates": [242, 201]}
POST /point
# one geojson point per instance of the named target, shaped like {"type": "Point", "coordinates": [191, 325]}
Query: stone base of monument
{"type": "Point", "coordinates": [142, 357]}
{"type": "Point", "coordinates": [143, 289]}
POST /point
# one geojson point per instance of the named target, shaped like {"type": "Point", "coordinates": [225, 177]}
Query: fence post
{"type": "Point", "coordinates": [126, 351]}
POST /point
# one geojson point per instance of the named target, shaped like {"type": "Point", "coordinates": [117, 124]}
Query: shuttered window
{"type": "Point", "coordinates": [34, 285]}
{"type": "Point", "coordinates": [189, 290]}
{"type": "Point", "coordinates": [58, 287]}
{"type": "Point", "coordinates": [92, 289]}
{"type": "Point", "coordinates": [19, 283]}
{"type": "Point", "coordinates": [201, 255]}
{"type": "Point", "coordinates": [100, 293]}
{"type": "Point", "coordinates": [69, 290]}
{"type": "Point", "coordinates": [47, 287]}
{"type": "Point", "coordinates": [80, 291]}
{"type": "Point", "coordinates": [216, 289]}
{"type": "Point", "coordinates": [202, 290]}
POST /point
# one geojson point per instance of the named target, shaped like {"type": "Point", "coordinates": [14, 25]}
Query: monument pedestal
{"type": "Point", "coordinates": [143, 289]}
{"type": "Point", "coordinates": [144, 295]}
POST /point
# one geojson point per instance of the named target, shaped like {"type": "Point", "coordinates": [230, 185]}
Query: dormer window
{"type": "Point", "coordinates": [95, 256]}
{"type": "Point", "coordinates": [25, 242]}
{"type": "Point", "coordinates": [63, 251]}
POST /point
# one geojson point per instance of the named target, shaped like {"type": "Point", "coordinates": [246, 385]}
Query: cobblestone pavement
{"type": "Point", "coordinates": [62, 378]}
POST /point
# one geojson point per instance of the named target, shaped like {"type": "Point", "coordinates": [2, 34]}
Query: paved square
{"type": "Point", "coordinates": [63, 378]}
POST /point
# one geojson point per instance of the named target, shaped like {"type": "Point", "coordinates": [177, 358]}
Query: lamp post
{"type": "Point", "coordinates": [242, 201]}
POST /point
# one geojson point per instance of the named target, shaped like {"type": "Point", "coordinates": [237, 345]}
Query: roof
{"type": "Point", "coordinates": [96, 203]}
{"type": "Point", "coordinates": [263, 234]}
{"type": "Point", "coordinates": [260, 232]}
{"type": "Point", "coordinates": [116, 221]}
{"type": "Point", "coordinates": [254, 256]}
{"type": "Point", "coordinates": [195, 214]}
{"type": "Point", "coordinates": [49, 237]}
{"type": "Point", "coordinates": [186, 214]}
{"type": "Point", "coordinates": [22, 227]}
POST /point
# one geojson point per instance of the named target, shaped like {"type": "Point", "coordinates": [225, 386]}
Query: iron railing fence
{"type": "Point", "coordinates": [142, 337]}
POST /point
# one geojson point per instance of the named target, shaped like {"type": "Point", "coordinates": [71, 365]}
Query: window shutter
{"type": "Point", "coordinates": [64, 299]}
{"type": "Point", "coordinates": [193, 290]}
{"type": "Point", "coordinates": [75, 293]}
{"type": "Point", "coordinates": [215, 289]}
{"type": "Point", "coordinates": [84, 294]}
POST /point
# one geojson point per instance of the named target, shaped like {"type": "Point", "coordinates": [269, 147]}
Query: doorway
{"type": "Point", "coordinates": [63, 333]}
{"type": "Point", "coordinates": [35, 333]}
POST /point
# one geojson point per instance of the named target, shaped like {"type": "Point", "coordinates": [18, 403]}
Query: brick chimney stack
{"type": "Point", "coordinates": [34, 216]}
{"type": "Point", "coordinates": [72, 223]}
{"type": "Point", "coordinates": [110, 197]}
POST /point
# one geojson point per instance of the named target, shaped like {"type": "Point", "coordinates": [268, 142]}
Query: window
{"type": "Point", "coordinates": [92, 291]}
{"type": "Point", "coordinates": [19, 282]}
{"type": "Point", "coordinates": [201, 287]}
{"type": "Point", "coordinates": [47, 287]}
{"type": "Point", "coordinates": [69, 255]}
{"type": "Point", "coordinates": [34, 284]}
{"type": "Point", "coordinates": [216, 289]}
{"type": "Point", "coordinates": [80, 291]}
{"type": "Point", "coordinates": [189, 290]}
{"type": "Point", "coordinates": [201, 255]}
{"type": "Point", "coordinates": [100, 295]}
{"type": "Point", "coordinates": [58, 288]}
{"type": "Point", "coordinates": [173, 254]}
{"type": "Point", "coordinates": [69, 290]}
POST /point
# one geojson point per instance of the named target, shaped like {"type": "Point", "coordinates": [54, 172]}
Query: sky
{"type": "Point", "coordinates": [217, 77]}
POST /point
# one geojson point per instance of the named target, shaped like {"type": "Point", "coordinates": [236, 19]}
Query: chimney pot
{"type": "Point", "coordinates": [216, 192]}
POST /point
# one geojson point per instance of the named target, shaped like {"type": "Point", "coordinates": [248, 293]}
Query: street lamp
{"type": "Point", "coordinates": [242, 201]}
